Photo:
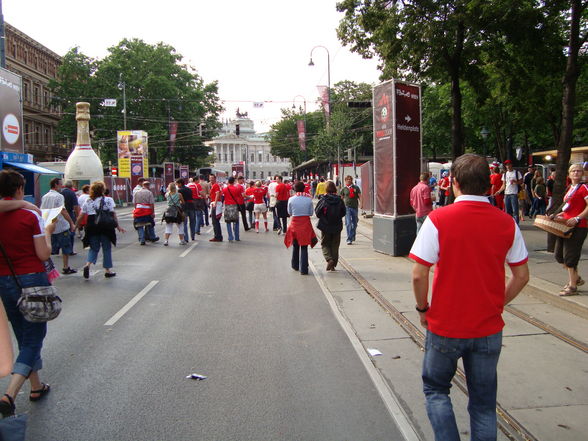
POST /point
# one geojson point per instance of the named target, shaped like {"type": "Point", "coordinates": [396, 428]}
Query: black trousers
{"type": "Point", "coordinates": [300, 257]}
{"type": "Point", "coordinates": [244, 216]}
{"type": "Point", "coordinates": [218, 232]}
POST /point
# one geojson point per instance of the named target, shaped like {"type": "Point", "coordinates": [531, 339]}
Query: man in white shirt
{"type": "Point", "coordinates": [511, 180]}
{"type": "Point", "coordinates": [61, 237]}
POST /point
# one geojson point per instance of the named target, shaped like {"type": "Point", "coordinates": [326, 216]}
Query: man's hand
{"type": "Point", "coordinates": [28, 206]}
{"type": "Point", "coordinates": [50, 228]}
{"type": "Point", "coordinates": [423, 319]}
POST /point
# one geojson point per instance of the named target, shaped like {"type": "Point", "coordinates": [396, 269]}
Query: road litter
{"type": "Point", "coordinates": [374, 352]}
{"type": "Point", "coordinates": [196, 377]}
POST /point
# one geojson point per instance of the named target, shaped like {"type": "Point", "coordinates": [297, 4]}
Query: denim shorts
{"type": "Point", "coordinates": [61, 241]}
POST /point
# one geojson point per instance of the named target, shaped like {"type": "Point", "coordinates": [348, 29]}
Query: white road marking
{"type": "Point", "coordinates": [390, 400]}
{"type": "Point", "coordinates": [185, 253]}
{"type": "Point", "coordinates": [115, 318]}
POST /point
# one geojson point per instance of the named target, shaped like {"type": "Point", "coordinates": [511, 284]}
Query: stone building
{"type": "Point", "coordinates": [36, 65]}
{"type": "Point", "coordinates": [250, 150]}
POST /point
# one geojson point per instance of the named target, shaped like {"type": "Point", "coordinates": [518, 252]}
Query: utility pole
{"type": "Point", "coordinates": [122, 85]}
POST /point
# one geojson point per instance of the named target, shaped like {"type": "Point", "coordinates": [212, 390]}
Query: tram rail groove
{"type": "Point", "coordinates": [508, 424]}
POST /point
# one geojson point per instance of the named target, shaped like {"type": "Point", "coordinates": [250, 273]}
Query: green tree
{"type": "Point", "coordinates": [159, 89]}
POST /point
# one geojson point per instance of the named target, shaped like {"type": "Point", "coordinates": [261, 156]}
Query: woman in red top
{"type": "Point", "coordinates": [259, 206]}
{"type": "Point", "coordinates": [28, 245]}
{"type": "Point", "coordinates": [233, 198]}
{"type": "Point", "coordinates": [574, 211]}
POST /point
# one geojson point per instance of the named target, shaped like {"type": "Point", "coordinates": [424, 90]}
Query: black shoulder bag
{"type": "Point", "coordinates": [104, 220]}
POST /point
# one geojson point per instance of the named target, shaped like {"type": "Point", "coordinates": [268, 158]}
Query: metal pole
{"type": "Point", "coordinates": [2, 39]}
{"type": "Point", "coordinates": [123, 86]}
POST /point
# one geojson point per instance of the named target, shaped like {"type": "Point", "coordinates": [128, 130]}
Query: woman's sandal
{"type": "Point", "coordinates": [569, 291]}
{"type": "Point", "coordinates": [7, 408]}
{"type": "Point", "coordinates": [579, 282]}
{"type": "Point", "coordinates": [42, 392]}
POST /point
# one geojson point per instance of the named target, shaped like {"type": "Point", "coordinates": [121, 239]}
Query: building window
{"type": "Point", "coordinates": [36, 95]}
{"type": "Point", "coordinates": [261, 174]}
{"type": "Point", "coordinates": [27, 136]}
{"type": "Point", "coordinates": [269, 174]}
{"type": "Point", "coordinates": [14, 50]}
{"type": "Point", "coordinates": [260, 157]}
{"type": "Point", "coordinates": [46, 98]}
{"type": "Point", "coordinates": [46, 135]}
{"type": "Point", "coordinates": [252, 157]}
{"type": "Point", "coordinates": [243, 156]}
{"type": "Point", "coordinates": [37, 135]}
{"type": "Point", "coordinates": [254, 173]}
{"type": "Point", "coordinates": [267, 158]}
{"type": "Point", "coordinates": [26, 91]}
{"type": "Point", "coordinates": [226, 158]}
{"type": "Point", "coordinates": [232, 156]}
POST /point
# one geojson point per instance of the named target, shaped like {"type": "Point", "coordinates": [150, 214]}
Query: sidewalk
{"type": "Point", "coordinates": [542, 379]}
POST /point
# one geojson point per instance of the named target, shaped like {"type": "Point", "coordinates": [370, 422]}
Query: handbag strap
{"type": "Point", "coordinates": [10, 265]}
{"type": "Point", "coordinates": [101, 208]}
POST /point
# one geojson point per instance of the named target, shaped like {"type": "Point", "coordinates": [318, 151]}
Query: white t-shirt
{"type": "Point", "coordinates": [271, 189]}
{"type": "Point", "coordinates": [91, 206]}
{"type": "Point", "coordinates": [508, 177]}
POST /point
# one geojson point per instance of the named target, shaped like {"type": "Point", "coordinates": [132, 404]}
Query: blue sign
{"type": "Point", "coordinates": [17, 157]}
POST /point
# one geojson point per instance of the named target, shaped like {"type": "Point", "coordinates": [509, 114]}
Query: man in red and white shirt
{"type": "Point", "coordinates": [469, 242]}
{"type": "Point", "coordinates": [198, 194]}
{"type": "Point", "coordinates": [282, 196]}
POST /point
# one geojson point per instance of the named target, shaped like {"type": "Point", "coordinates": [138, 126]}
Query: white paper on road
{"type": "Point", "coordinates": [374, 352]}
{"type": "Point", "coordinates": [196, 377]}
{"type": "Point", "coordinates": [48, 214]}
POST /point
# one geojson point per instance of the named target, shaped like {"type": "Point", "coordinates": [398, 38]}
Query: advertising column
{"type": "Point", "coordinates": [397, 162]}
{"type": "Point", "coordinates": [169, 171]}
{"type": "Point", "coordinates": [133, 155]}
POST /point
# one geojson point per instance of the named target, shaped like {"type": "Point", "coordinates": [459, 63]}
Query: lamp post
{"type": "Point", "coordinates": [294, 102]}
{"type": "Point", "coordinates": [122, 85]}
{"type": "Point", "coordinates": [484, 132]}
{"type": "Point", "coordinates": [328, 100]}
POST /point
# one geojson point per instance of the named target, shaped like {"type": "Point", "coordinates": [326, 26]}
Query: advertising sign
{"type": "Point", "coordinates": [168, 172]}
{"type": "Point", "coordinates": [184, 172]}
{"type": "Point", "coordinates": [301, 134]}
{"type": "Point", "coordinates": [132, 147]}
{"type": "Point", "coordinates": [397, 146]}
{"type": "Point", "coordinates": [11, 139]}
{"type": "Point", "coordinates": [407, 143]}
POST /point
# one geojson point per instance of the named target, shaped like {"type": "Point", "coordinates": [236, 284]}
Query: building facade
{"type": "Point", "coordinates": [37, 65]}
{"type": "Point", "coordinates": [248, 150]}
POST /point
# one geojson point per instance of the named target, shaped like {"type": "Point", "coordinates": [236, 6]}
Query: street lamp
{"type": "Point", "coordinates": [294, 102]}
{"type": "Point", "coordinates": [484, 132]}
{"type": "Point", "coordinates": [311, 63]}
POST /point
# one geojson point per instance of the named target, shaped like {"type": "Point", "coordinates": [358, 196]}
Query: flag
{"type": "Point", "coordinates": [173, 130]}
{"type": "Point", "coordinates": [301, 134]}
{"type": "Point", "coordinates": [324, 96]}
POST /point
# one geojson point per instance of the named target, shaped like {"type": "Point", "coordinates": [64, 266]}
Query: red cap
{"type": "Point", "coordinates": [508, 161]}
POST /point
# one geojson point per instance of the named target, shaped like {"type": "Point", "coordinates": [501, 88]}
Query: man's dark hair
{"type": "Point", "coordinates": [10, 181]}
{"type": "Point", "coordinates": [54, 182]}
{"type": "Point", "coordinates": [231, 180]}
{"type": "Point", "coordinates": [331, 187]}
{"type": "Point", "coordinates": [322, 179]}
{"type": "Point", "coordinates": [472, 173]}
{"type": "Point", "coordinates": [299, 187]}
{"type": "Point", "coordinates": [141, 180]}
{"type": "Point", "coordinates": [202, 178]}
{"type": "Point", "coordinates": [180, 181]}
{"type": "Point", "coordinates": [279, 178]}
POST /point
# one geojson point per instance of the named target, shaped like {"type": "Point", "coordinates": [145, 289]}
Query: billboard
{"type": "Point", "coordinates": [132, 149]}
{"type": "Point", "coordinates": [11, 139]}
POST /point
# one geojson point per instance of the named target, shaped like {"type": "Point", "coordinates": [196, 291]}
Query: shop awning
{"type": "Point", "coordinates": [32, 168]}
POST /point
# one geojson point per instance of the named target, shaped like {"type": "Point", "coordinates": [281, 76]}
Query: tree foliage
{"type": "Point", "coordinates": [159, 89]}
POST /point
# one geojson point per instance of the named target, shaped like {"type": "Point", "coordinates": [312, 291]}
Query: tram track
{"type": "Point", "coordinates": [508, 424]}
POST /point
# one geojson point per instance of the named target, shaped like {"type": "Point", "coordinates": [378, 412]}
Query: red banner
{"type": "Point", "coordinates": [301, 134]}
{"type": "Point", "coordinates": [324, 96]}
{"type": "Point", "coordinates": [383, 150]}
{"type": "Point", "coordinates": [173, 131]}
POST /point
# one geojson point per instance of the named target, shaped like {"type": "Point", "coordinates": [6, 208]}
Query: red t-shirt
{"type": "Point", "coordinates": [496, 182]}
{"type": "Point", "coordinates": [249, 192]}
{"type": "Point", "coordinates": [196, 189]}
{"type": "Point", "coordinates": [19, 228]}
{"type": "Point", "coordinates": [307, 187]}
{"type": "Point", "coordinates": [213, 191]}
{"type": "Point", "coordinates": [233, 195]}
{"type": "Point", "coordinates": [282, 192]}
{"type": "Point", "coordinates": [576, 200]}
{"type": "Point", "coordinates": [258, 195]}
{"type": "Point", "coordinates": [469, 241]}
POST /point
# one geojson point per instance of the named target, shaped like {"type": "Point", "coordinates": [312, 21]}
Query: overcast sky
{"type": "Point", "coordinates": [257, 50]}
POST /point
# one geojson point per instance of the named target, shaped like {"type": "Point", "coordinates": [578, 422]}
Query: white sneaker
{"type": "Point", "coordinates": [183, 242]}
{"type": "Point", "coordinates": [165, 243]}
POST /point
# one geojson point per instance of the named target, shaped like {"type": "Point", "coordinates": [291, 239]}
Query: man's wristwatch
{"type": "Point", "coordinates": [425, 309]}
{"type": "Point", "coordinates": [578, 219]}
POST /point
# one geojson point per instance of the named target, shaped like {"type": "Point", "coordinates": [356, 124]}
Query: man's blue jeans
{"type": "Point", "coordinates": [480, 358]}
{"type": "Point", "coordinates": [199, 220]}
{"type": "Point", "coordinates": [511, 204]}
{"type": "Point", "coordinates": [190, 216]}
{"type": "Point", "coordinates": [351, 223]}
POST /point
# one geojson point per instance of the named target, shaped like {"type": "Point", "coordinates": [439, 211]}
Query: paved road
{"type": "Point", "coordinates": [279, 365]}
